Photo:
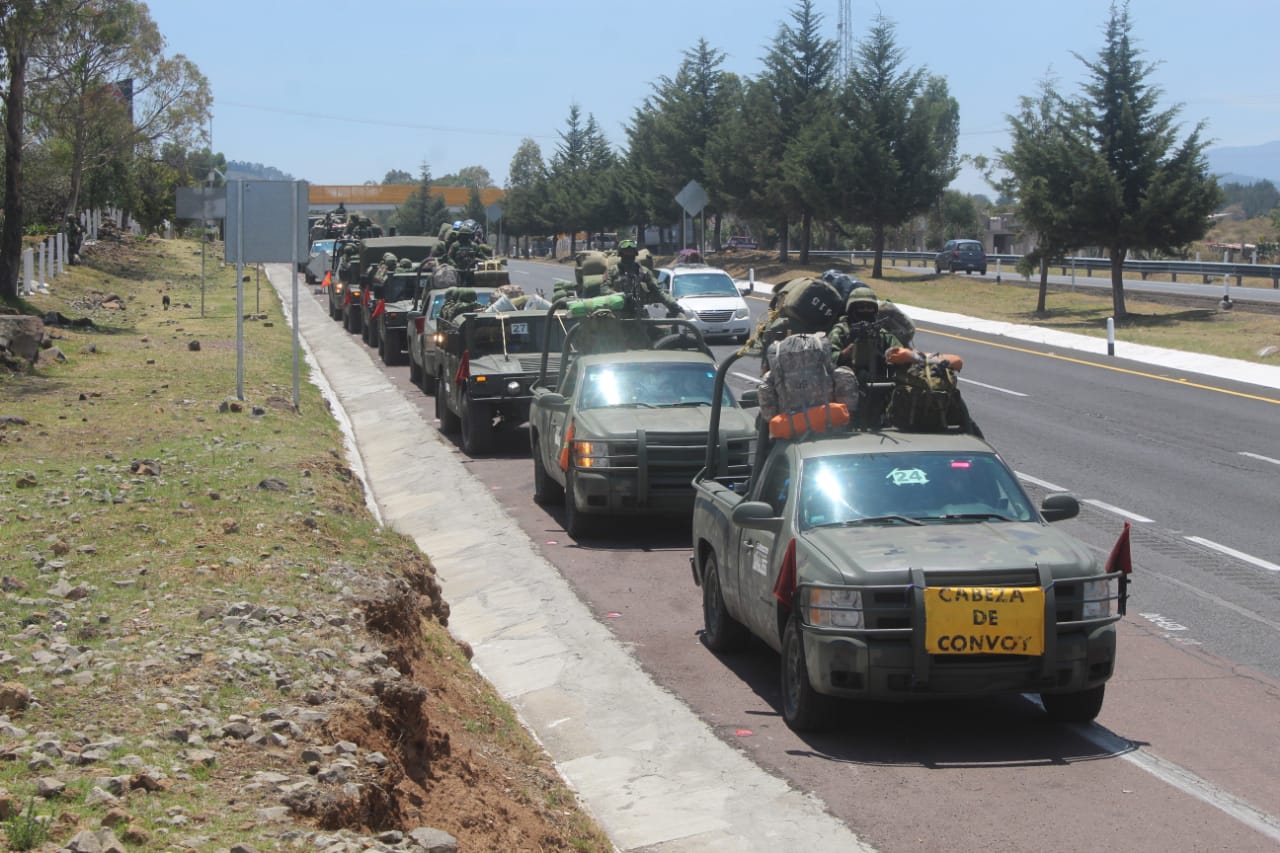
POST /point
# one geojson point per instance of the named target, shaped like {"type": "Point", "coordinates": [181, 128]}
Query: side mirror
{"type": "Point", "coordinates": [750, 399]}
{"type": "Point", "coordinates": [453, 342]}
{"type": "Point", "coordinates": [552, 400]}
{"type": "Point", "coordinates": [745, 286]}
{"type": "Point", "coordinates": [1059, 507]}
{"type": "Point", "coordinates": [756, 515]}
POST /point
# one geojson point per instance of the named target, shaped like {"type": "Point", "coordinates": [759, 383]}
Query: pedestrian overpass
{"type": "Point", "coordinates": [369, 197]}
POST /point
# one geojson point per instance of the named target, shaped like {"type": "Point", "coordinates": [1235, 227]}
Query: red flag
{"type": "Point", "coordinates": [784, 589]}
{"type": "Point", "coordinates": [1120, 559]}
{"type": "Point", "coordinates": [346, 300]}
{"type": "Point", "coordinates": [380, 308]}
{"type": "Point", "coordinates": [324, 285]}
{"type": "Point", "coordinates": [464, 368]}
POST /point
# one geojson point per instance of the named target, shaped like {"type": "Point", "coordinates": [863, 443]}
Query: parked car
{"type": "Point", "coordinates": [967, 255]}
{"type": "Point", "coordinates": [739, 242]}
{"type": "Point", "coordinates": [711, 298]}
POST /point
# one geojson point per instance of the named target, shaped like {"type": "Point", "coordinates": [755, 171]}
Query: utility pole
{"type": "Point", "coordinates": [844, 41]}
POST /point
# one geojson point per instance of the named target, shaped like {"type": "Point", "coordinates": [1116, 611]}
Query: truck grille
{"type": "Point", "coordinates": [672, 459]}
{"type": "Point", "coordinates": [714, 316]}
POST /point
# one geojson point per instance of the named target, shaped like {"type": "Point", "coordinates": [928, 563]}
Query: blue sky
{"type": "Point", "coordinates": [342, 92]}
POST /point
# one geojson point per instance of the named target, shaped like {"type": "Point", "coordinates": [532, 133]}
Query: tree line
{"type": "Point", "coordinates": [806, 153]}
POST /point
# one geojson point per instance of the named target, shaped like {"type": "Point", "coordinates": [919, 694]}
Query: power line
{"type": "Point", "coordinates": [384, 123]}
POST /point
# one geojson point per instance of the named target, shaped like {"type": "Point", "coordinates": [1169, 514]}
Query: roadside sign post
{"type": "Point", "coordinates": [692, 199]}
{"type": "Point", "coordinates": [266, 223]}
{"type": "Point", "coordinates": [493, 213]}
{"type": "Point", "coordinates": [207, 204]}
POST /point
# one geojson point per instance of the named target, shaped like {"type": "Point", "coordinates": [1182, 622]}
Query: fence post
{"type": "Point", "coordinates": [28, 271]}
{"type": "Point", "coordinates": [53, 267]}
{"type": "Point", "coordinates": [1111, 336]}
{"type": "Point", "coordinates": [40, 271]}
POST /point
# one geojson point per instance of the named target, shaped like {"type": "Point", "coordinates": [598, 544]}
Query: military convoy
{"type": "Point", "coordinates": [886, 555]}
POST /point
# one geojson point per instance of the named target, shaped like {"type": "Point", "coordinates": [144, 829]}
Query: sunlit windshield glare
{"type": "Point", "coordinates": [928, 486]}
{"type": "Point", "coordinates": [664, 384]}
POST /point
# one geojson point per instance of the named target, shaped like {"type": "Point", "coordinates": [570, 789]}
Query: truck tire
{"type": "Point", "coordinates": [1078, 707]}
{"type": "Point", "coordinates": [477, 426]}
{"type": "Point", "coordinates": [545, 490]}
{"type": "Point", "coordinates": [803, 708]}
{"type": "Point", "coordinates": [720, 631]}
{"type": "Point", "coordinates": [577, 524]}
{"type": "Point", "coordinates": [449, 422]}
{"type": "Point", "coordinates": [429, 382]}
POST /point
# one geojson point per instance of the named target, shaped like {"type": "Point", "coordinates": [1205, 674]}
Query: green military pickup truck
{"type": "Point", "coordinates": [622, 431]}
{"type": "Point", "coordinates": [487, 362]}
{"type": "Point", "coordinates": [891, 565]}
{"type": "Point", "coordinates": [416, 250]}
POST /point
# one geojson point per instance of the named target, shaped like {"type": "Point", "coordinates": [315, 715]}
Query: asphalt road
{"type": "Point", "coordinates": [1182, 756]}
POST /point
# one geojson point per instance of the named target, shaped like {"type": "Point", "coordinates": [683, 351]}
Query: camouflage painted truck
{"type": "Point", "coordinates": [621, 428]}
{"type": "Point", "coordinates": [893, 565]}
{"type": "Point", "coordinates": [415, 250]}
{"type": "Point", "coordinates": [488, 360]}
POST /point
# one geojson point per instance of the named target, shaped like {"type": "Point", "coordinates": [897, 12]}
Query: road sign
{"type": "Point", "coordinates": [201, 203]}
{"type": "Point", "coordinates": [692, 198]}
{"type": "Point", "coordinates": [494, 212]}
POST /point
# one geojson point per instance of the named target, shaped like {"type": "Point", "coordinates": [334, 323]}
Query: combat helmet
{"type": "Point", "coordinates": [389, 260]}
{"type": "Point", "coordinates": [405, 264]}
{"type": "Point", "coordinates": [862, 305]}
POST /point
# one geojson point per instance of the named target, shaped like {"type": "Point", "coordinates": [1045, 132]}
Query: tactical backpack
{"type": "Point", "coordinates": [808, 304]}
{"type": "Point", "coordinates": [803, 392]}
{"type": "Point", "coordinates": [926, 397]}
{"type": "Point", "coordinates": [896, 322]}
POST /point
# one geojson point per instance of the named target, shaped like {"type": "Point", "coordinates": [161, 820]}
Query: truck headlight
{"type": "Point", "coordinates": [742, 313]}
{"type": "Point", "coordinates": [1097, 598]}
{"type": "Point", "coordinates": [835, 608]}
{"type": "Point", "coordinates": [590, 454]}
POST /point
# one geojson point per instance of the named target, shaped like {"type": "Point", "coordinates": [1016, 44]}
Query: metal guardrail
{"type": "Point", "coordinates": [1208, 272]}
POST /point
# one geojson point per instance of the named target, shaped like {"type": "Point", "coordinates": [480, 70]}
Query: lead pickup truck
{"type": "Point", "coordinates": [621, 429]}
{"type": "Point", "coordinates": [891, 565]}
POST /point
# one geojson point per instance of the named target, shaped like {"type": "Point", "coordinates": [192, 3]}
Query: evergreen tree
{"type": "Point", "coordinates": [1136, 187]}
{"type": "Point", "coordinates": [424, 211]}
{"type": "Point", "coordinates": [797, 76]}
{"type": "Point", "coordinates": [899, 142]}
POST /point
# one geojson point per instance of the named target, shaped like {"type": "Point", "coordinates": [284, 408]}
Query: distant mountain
{"type": "Point", "coordinates": [1246, 164]}
{"type": "Point", "coordinates": [240, 170]}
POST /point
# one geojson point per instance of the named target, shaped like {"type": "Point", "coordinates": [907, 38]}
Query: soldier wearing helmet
{"type": "Point", "coordinates": [637, 281]}
{"type": "Point", "coordinates": [858, 340]}
{"type": "Point", "coordinates": [405, 265]}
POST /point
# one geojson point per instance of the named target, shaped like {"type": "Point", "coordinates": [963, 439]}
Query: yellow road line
{"type": "Point", "coordinates": [1067, 358]}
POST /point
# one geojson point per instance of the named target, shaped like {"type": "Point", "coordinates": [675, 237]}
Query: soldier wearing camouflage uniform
{"type": "Point", "coordinates": [465, 252]}
{"type": "Point", "coordinates": [638, 282]}
{"type": "Point", "coordinates": [459, 300]}
{"type": "Point", "coordinates": [860, 343]}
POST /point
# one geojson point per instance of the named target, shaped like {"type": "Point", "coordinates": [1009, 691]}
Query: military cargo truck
{"type": "Point", "coordinates": [488, 362]}
{"type": "Point", "coordinates": [414, 249]}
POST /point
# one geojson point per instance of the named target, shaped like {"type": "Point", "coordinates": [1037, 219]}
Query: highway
{"type": "Point", "coordinates": [1182, 755]}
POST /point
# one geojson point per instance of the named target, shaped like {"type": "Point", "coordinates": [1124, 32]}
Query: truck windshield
{"type": "Point", "coordinates": [704, 284]}
{"type": "Point", "coordinates": [522, 333]}
{"type": "Point", "coordinates": [647, 384]}
{"type": "Point", "coordinates": [874, 488]}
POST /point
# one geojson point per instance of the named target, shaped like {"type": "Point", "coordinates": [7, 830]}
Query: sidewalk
{"type": "Point", "coordinates": [652, 774]}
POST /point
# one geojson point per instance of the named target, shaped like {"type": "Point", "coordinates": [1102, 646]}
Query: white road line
{"type": "Point", "coordinates": [1184, 780]}
{"type": "Point", "coordinates": [1260, 457]}
{"type": "Point", "coordinates": [1232, 552]}
{"type": "Point", "coordinates": [1123, 513]}
{"type": "Point", "coordinates": [995, 388]}
{"type": "Point", "coordinates": [1035, 481]}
